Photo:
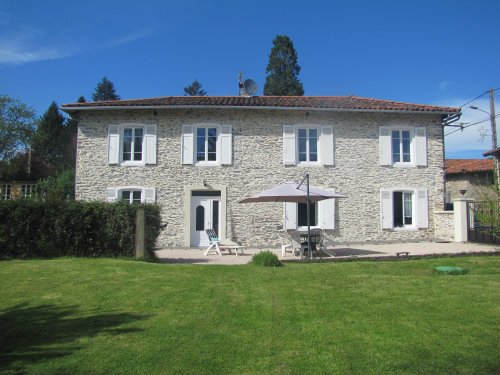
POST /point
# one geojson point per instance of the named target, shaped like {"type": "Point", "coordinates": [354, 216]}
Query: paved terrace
{"type": "Point", "coordinates": [360, 251]}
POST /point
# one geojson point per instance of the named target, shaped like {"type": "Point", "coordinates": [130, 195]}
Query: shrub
{"type": "Point", "coordinates": [53, 228]}
{"type": "Point", "coordinates": [266, 259]}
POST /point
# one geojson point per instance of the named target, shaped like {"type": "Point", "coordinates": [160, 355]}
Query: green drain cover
{"type": "Point", "coordinates": [449, 270]}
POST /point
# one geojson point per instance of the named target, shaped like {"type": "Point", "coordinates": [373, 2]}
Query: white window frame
{"type": "Point", "coordinates": [114, 194]}
{"type": "Point", "coordinates": [308, 162]}
{"type": "Point", "coordinates": [418, 146]}
{"type": "Point", "coordinates": [6, 192]}
{"type": "Point", "coordinates": [217, 144]}
{"type": "Point", "coordinates": [223, 144]}
{"type": "Point", "coordinates": [116, 139]}
{"type": "Point", "coordinates": [132, 159]}
{"type": "Point", "coordinates": [420, 211]}
{"type": "Point", "coordinates": [325, 211]}
{"type": "Point", "coordinates": [317, 214]}
{"type": "Point", "coordinates": [402, 163]}
{"type": "Point", "coordinates": [326, 145]}
{"type": "Point", "coordinates": [27, 190]}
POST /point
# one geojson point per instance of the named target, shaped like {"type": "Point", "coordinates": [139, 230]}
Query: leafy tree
{"type": "Point", "coordinates": [81, 99]}
{"type": "Point", "coordinates": [194, 89]}
{"type": "Point", "coordinates": [61, 187]}
{"type": "Point", "coordinates": [16, 127]}
{"type": "Point", "coordinates": [53, 139]}
{"type": "Point", "coordinates": [283, 69]}
{"type": "Point", "coordinates": [105, 90]}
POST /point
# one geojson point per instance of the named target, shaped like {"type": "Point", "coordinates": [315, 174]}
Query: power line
{"type": "Point", "coordinates": [469, 125]}
{"type": "Point", "coordinates": [484, 93]}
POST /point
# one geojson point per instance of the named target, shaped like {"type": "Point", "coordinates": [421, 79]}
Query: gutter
{"type": "Point", "coordinates": [450, 116]}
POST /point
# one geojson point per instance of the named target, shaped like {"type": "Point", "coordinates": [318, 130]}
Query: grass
{"type": "Point", "coordinates": [106, 316]}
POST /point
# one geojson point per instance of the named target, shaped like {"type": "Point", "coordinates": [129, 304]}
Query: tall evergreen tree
{"type": "Point", "coordinates": [81, 99]}
{"type": "Point", "coordinates": [105, 90]}
{"type": "Point", "coordinates": [194, 89]}
{"type": "Point", "coordinates": [51, 140]}
{"type": "Point", "coordinates": [283, 69]}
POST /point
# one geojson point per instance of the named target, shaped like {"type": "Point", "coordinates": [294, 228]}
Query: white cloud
{"type": "Point", "coordinates": [475, 137]}
{"type": "Point", "coordinates": [132, 37]}
{"type": "Point", "coordinates": [24, 45]}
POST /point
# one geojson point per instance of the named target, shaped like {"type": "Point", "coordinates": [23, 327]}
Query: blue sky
{"type": "Point", "coordinates": [444, 52]}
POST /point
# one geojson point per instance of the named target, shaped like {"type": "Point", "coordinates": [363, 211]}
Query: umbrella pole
{"type": "Point", "coordinates": [308, 219]}
{"type": "Point", "coordinates": [308, 203]}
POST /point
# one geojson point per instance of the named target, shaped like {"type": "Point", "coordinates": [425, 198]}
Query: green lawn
{"type": "Point", "coordinates": [107, 316]}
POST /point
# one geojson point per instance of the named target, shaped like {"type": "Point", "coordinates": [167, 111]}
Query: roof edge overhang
{"type": "Point", "coordinates": [71, 110]}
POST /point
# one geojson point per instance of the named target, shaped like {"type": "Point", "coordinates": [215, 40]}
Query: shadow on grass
{"type": "Point", "coordinates": [30, 334]}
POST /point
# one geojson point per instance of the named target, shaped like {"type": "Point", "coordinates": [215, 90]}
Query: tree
{"type": "Point", "coordinates": [52, 140]}
{"type": "Point", "coordinates": [61, 187]}
{"type": "Point", "coordinates": [105, 90]}
{"type": "Point", "coordinates": [194, 89]}
{"type": "Point", "coordinates": [283, 69]}
{"type": "Point", "coordinates": [17, 126]}
{"type": "Point", "coordinates": [81, 99]}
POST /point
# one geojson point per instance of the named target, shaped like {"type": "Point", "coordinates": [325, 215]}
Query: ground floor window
{"type": "Point", "coordinates": [132, 196]}
{"type": "Point", "coordinates": [403, 209]}
{"type": "Point", "coordinates": [302, 215]}
{"type": "Point", "coordinates": [5, 193]}
{"type": "Point", "coordinates": [27, 190]}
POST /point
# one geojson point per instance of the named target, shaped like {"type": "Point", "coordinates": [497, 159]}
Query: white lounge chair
{"type": "Point", "coordinates": [216, 245]}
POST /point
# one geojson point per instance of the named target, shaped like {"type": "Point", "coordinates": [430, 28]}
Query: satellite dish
{"type": "Point", "coordinates": [250, 86]}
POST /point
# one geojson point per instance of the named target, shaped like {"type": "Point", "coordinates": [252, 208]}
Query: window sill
{"type": "Point", "coordinates": [132, 164]}
{"type": "Point", "coordinates": [309, 164]}
{"type": "Point", "coordinates": [207, 164]}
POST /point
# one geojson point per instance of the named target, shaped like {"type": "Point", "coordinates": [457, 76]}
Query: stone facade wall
{"type": "Point", "coordinates": [444, 223]}
{"type": "Point", "coordinates": [258, 165]}
{"type": "Point", "coordinates": [477, 185]}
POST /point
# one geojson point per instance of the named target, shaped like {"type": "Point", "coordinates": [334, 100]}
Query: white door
{"type": "Point", "coordinates": [205, 213]}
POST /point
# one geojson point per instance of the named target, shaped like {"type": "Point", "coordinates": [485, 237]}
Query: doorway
{"type": "Point", "coordinates": [205, 214]}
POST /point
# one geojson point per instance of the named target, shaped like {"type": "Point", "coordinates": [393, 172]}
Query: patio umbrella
{"type": "Point", "coordinates": [298, 193]}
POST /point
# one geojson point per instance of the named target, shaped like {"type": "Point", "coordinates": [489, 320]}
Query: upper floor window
{"type": "Point", "coordinates": [5, 193]}
{"type": "Point", "coordinates": [401, 150]}
{"type": "Point", "coordinates": [402, 146]}
{"type": "Point", "coordinates": [27, 190]}
{"type": "Point", "coordinates": [207, 144]}
{"type": "Point", "coordinates": [132, 144]}
{"type": "Point", "coordinates": [308, 145]}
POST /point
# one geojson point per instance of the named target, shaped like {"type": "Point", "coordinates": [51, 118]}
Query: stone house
{"type": "Point", "coordinates": [475, 176]}
{"type": "Point", "coordinates": [16, 189]}
{"type": "Point", "coordinates": [199, 156]}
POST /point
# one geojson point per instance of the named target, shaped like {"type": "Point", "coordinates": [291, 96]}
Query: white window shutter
{"type": "Point", "coordinates": [386, 211]}
{"type": "Point", "coordinates": [327, 146]}
{"type": "Point", "coordinates": [385, 146]}
{"type": "Point", "coordinates": [187, 144]}
{"type": "Point", "coordinates": [327, 213]}
{"type": "Point", "coordinates": [111, 194]}
{"type": "Point", "coordinates": [289, 157]}
{"type": "Point", "coordinates": [422, 217]}
{"type": "Point", "coordinates": [149, 195]}
{"type": "Point", "coordinates": [290, 210]}
{"type": "Point", "coordinates": [226, 144]}
{"type": "Point", "coordinates": [113, 144]}
{"type": "Point", "coordinates": [150, 144]}
{"type": "Point", "coordinates": [420, 146]}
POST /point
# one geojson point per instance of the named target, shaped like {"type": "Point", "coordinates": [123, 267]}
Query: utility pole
{"type": "Point", "coordinates": [494, 138]}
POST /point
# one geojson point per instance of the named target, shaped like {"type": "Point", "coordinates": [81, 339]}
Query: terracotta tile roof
{"type": "Point", "coordinates": [495, 151]}
{"type": "Point", "coordinates": [454, 166]}
{"type": "Point", "coordinates": [313, 102]}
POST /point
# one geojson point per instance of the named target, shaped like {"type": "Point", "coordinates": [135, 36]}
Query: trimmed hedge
{"type": "Point", "coordinates": [48, 229]}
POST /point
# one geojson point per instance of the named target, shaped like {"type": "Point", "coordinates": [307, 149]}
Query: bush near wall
{"type": "Point", "coordinates": [47, 229]}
